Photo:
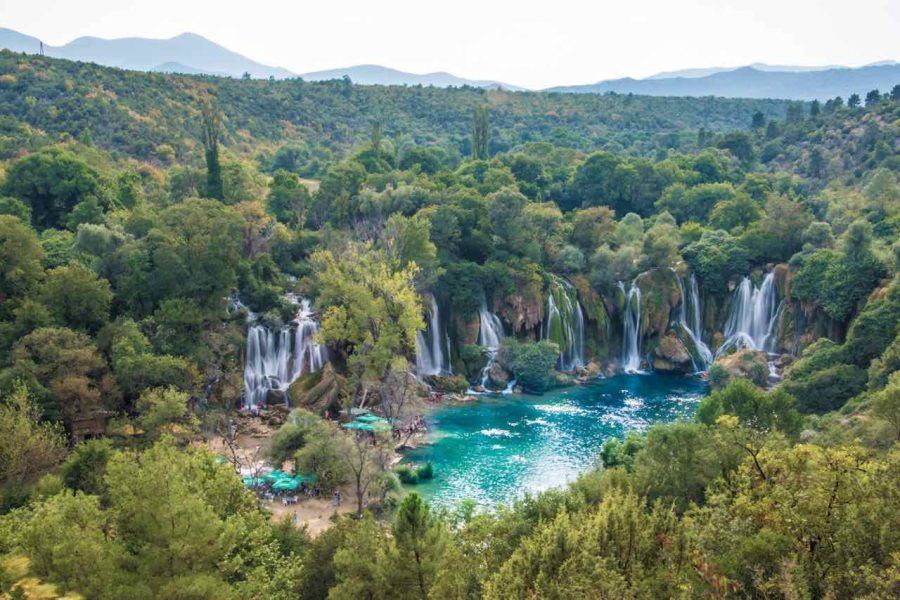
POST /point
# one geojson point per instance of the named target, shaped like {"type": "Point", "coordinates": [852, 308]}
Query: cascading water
{"type": "Point", "coordinates": [565, 324]}
{"type": "Point", "coordinates": [690, 323]}
{"type": "Point", "coordinates": [490, 333]}
{"type": "Point", "coordinates": [430, 345]}
{"type": "Point", "coordinates": [753, 316]}
{"type": "Point", "coordinates": [275, 358]}
{"type": "Point", "coordinates": [631, 334]}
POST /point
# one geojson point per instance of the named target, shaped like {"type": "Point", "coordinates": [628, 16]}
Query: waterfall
{"type": "Point", "coordinates": [631, 335]}
{"type": "Point", "coordinates": [275, 358]}
{"type": "Point", "coordinates": [490, 332]}
{"type": "Point", "coordinates": [753, 316]}
{"type": "Point", "coordinates": [430, 345]}
{"type": "Point", "coordinates": [690, 323]}
{"type": "Point", "coordinates": [565, 324]}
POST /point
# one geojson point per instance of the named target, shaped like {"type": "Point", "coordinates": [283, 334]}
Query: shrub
{"type": "Point", "coordinates": [532, 363]}
{"type": "Point", "coordinates": [406, 475]}
{"type": "Point", "coordinates": [827, 389]}
{"type": "Point", "coordinates": [425, 472]}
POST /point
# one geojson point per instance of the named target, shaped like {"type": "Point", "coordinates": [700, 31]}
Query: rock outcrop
{"type": "Point", "coordinates": [319, 392]}
{"type": "Point", "coordinates": [746, 363]}
{"type": "Point", "coordinates": [671, 355]}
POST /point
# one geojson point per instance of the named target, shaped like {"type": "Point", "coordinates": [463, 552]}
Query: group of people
{"type": "Point", "coordinates": [417, 424]}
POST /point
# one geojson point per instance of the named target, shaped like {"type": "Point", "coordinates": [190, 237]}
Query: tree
{"type": "Point", "coordinates": [211, 126]}
{"type": "Point", "coordinates": [52, 182]}
{"type": "Point", "coordinates": [166, 411]}
{"type": "Point", "coordinates": [20, 258]}
{"type": "Point", "coordinates": [420, 541]}
{"type": "Point", "coordinates": [886, 405]}
{"type": "Point", "coordinates": [853, 101]}
{"type": "Point", "coordinates": [28, 445]}
{"type": "Point", "coordinates": [85, 468]}
{"type": "Point", "coordinates": [480, 133]}
{"type": "Point", "coordinates": [717, 258]}
{"type": "Point", "coordinates": [65, 372]}
{"type": "Point", "coordinates": [759, 120]}
{"type": "Point", "coordinates": [288, 199]}
{"type": "Point", "coordinates": [873, 97]}
{"type": "Point", "coordinates": [372, 312]}
{"type": "Point", "coordinates": [76, 297]}
{"type": "Point", "coordinates": [367, 458]}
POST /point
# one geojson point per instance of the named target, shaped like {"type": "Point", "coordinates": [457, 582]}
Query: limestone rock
{"type": "Point", "coordinates": [320, 391]}
{"type": "Point", "coordinates": [672, 355]}
{"type": "Point", "coordinates": [497, 376]}
{"type": "Point", "coordinates": [746, 363]}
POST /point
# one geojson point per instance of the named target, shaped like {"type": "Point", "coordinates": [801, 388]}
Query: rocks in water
{"type": "Point", "coordinates": [671, 355]}
{"type": "Point", "coordinates": [498, 377]}
{"type": "Point", "coordinates": [746, 363]}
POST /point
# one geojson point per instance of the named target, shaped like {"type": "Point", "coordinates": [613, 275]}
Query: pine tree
{"type": "Point", "coordinates": [480, 133]}
{"type": "Point", "coordinates": [214, 188]}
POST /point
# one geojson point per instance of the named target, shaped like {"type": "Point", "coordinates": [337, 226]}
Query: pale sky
{"type": "Point", "coordinates": [523, 42]}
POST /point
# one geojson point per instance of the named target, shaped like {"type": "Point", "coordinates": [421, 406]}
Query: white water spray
{"type": "Point", "coordinates": [565, 324]}
{"type": "Point", "coordinates": [276, 358]}
{"type": "Point", "coordinates": [690, 322]}
{"type": "Point", "coordinates": [753, 316]}
{"type": "Point", "coordinates": [631, 334]}
{"type": "Point", "coordinates": [431, 344]}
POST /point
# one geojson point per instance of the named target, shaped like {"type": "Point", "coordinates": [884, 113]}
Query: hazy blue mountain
{"type": "Point", "coordinates": [704, 71]}
{"type": "Point", "coordinates": [750, 82]}
{"type": "Point", "coordinates": [194, 54]}
{"type": "Point", "coordinates": [175, 67]}
{"type": "Point", "coordinates": [19, 42]}
{"type": "Point", "coordinates": [378, 75]}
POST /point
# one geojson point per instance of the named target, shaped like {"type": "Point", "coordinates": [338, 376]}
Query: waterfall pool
{"type": "Point", "coordinates": [497, 448]}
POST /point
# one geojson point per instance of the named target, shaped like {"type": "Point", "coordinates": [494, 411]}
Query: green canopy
{"type": "Point", "coordinates": [251, 482]}
{"type": "Point", "coordinates": [288, 484]}
{"type": "Point", "coordinates": [369, 418]}
{"type": "Point", "coordinates": [274, 475]}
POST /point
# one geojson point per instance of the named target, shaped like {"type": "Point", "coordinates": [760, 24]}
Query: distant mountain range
{"type": "Point", "coordinates": [192, 54]}
{"type": "Point", "coordinates": [378, 75]}
{"type": "Point", "coordinates": [798, 83]}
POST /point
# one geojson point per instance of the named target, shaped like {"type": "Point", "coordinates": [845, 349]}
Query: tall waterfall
{"type": "Point", "coordinates": [490, 332]}
{"type": "Point", "coordinates": [631, 335]}
{"type": "Point", "coordinates": [565, 324]}
{"type": "Point", "coordinates": [690, 322]}
{"type": "Point", "coordinates": [275, 358]}
{"type": "Point", "coordinates": [433, 348]}
{"type": "Point", "coordinates": [752, 317]}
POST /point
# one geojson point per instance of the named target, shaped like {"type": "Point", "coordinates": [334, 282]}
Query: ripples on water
{"type": "Point", "coordinates": [495, 449]}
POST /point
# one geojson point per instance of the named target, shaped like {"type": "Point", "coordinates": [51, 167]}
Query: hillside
{"type": "Point", "coordinates": [139, 113]}
{"type": "Point", "coordinates": [753, 82]}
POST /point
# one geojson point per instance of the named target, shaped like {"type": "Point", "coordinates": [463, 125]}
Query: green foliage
{"type": "Point", "coordinates": [757, 409]}
{"type": "Point", "coordinates": [85, 468]}
{"type": "Point", "coordinates": [717, 258]}
{"type": "Point", "coordinates": [532, 363]}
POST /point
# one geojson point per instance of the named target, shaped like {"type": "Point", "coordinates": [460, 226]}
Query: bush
{"type": "Point", "coordinates": [406, 475]}
{"type": "Point", "coordinates": [827, 389]}
{"type": "Point", "coordinates": [532, 363]}
{"type": "Point", "coordinates": [425, 472]}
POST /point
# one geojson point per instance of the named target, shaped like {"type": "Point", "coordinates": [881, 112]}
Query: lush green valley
{"type": "Point", "coordinates": [181, 257]}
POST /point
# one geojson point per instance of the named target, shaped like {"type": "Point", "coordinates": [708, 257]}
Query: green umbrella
{"type": "Point", "coordinates": [251, 482]}
{"type": "Point", "coordinates": [288, 484]}
{"type": "Point", "coordinates": [274, 475]}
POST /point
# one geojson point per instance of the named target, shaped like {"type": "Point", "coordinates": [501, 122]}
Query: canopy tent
{"type": "Point", "coordinates": [370, 418]}
{"type": "Point", "coordinates": [274, 475]}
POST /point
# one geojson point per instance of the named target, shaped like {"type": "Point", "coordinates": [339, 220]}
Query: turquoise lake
{"type": "Point", "coordinates": [499, 447]}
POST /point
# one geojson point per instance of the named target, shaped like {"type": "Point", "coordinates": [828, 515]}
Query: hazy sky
{"type": "Point", "coordinates": [525, 42]}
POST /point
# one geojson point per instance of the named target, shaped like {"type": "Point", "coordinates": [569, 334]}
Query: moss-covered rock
{"type": "Point", "coordinates": [660, 295]}
{"type": "Point", "coordinates": [746, 364]}
{"type": "Point", "coordinates": [319, 392]}
{"type": "Point", "coordinates": [671, 355]}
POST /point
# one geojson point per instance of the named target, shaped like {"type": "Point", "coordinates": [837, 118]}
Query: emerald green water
{"type": "Point", "coordinates": [496, 449]}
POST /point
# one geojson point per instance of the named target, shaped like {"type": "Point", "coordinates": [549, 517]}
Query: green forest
{"type": "Point", "coordinates": [162, 236]}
